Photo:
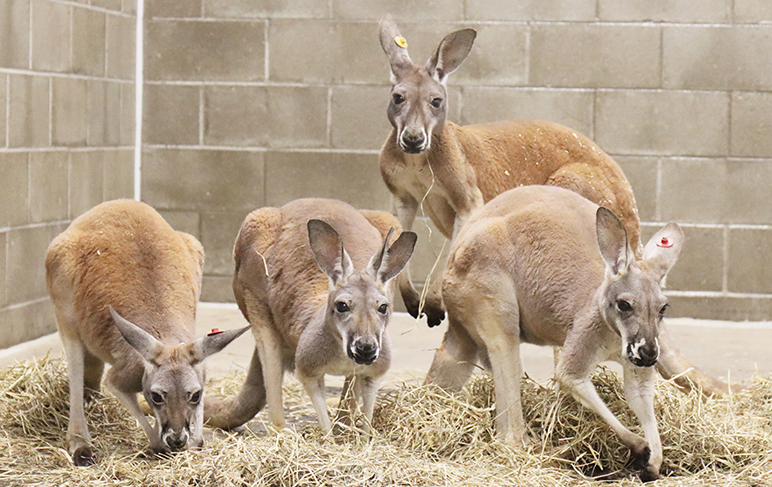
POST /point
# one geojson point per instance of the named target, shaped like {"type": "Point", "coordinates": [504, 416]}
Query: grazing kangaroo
{"type": "Point", "coordinates": [121, 254]}
{"type": "Point", "coordinates": [452, 170]}
{"type": "Point", "coordinates": [527, 268]}
{"type": "Point", "coordinates": [313, 279]}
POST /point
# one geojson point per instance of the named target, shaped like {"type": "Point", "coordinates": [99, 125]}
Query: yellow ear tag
{"type": "Point", "coordinates": [401, 42]}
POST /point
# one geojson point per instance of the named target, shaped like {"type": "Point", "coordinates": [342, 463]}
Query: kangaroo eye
{"type": "Point", "coordinates": [437, 102]}
{"type": "Point", "coordinates": [664, 308]}
{"type": "Point", "coordinates": [624, 306]}
{"type": "Point", "coordinates": [195, 397]}
{"type": "Point", "coordinates": [397, 98]}
{"type": "Point", "coordinates": [383, 308]}
{"type": "Point", "coordinates": [341, 307]}
{"type": "Point", "coordinates": [156, 398]}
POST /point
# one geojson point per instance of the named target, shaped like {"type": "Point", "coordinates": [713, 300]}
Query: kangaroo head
{"type": "Point", "coordinates": [173, 380]}
{"type": "Point", "coordinates": [632, 301]}
{"type": "Point", "coordinates": [359, 303]}
{"type": "Point", "coordinates": [418, 103]}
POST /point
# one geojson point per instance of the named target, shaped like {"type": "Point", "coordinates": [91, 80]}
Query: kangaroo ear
{"type": "Point", "coordinates": [328, 251]}
{"type": "Point", "coordinates": [214, 342]}
{"type": "Point", "coordinates": [386, 264]}
{"type": "Point", "coordinates": [451, 52]}
{"type": "Point", "coordinates": [663, 249]}
{"type": "Point", "coordinates": [612, 241]}
{"type": "Point", "coordinates": [140, 340]}
{"type": "Point", "coordinates": [395, 47]}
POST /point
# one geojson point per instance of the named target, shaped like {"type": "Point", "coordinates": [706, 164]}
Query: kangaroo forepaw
{"type": "Point", "coordinates": [639, 461]}
{"type": "Point", "coordinates": [83, 457]}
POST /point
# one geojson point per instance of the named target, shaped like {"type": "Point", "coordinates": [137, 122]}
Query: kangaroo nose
{"type": "Point", "coordinates": [643, 353]}
{"type": "Point", "coordinates": [176, 441]}
{"type": "Point", "coordinates": [363, 352]}
{"type": "Point", "coordinates": [413, 143]}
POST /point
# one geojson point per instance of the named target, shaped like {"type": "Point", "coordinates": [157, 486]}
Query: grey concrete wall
{"type": "Point", "coordinates": [66, 136]}
{"type": "Point", "coordinates": [252, 104]}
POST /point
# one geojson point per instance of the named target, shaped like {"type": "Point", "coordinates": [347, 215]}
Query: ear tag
{"type": "Point", "coordinates": [215, 331]}
{"type": "Point", "coordinates": [664, 242]}
{"type": "Point", "coordinates": [401, 42]}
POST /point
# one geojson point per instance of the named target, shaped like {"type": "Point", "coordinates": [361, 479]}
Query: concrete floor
{"type": "Point", "coordinates": [727, 350]}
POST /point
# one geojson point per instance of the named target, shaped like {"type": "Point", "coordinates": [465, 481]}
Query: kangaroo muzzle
{"type": "Point", "coordinates": [363, 351]}
{"type": "Point", "coordinates": [176, 440]}
{"type": "Point", "coordinates": [643, 352]}
{"type": "Point", "coordinates": [413, 142]}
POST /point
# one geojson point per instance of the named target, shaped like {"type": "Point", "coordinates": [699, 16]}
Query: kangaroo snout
{"type": "Point", "coordinates": [413, 142]}
{"type": "Point", "coordinates": [176, 440]}
{"type": "Point", "coordinates": [363, 351]}
{"type": "Point", "coordinates": [643, 352]}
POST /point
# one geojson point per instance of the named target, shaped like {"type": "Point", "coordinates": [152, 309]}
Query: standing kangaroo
{"type": "Point", "coordinates": [121, 254]}
{"type": "Point", "coordinates": [452, 170]}
{"type": "Point", "coordinates": [312, 277]}
{"type": "Point", "coordinates": [526, 268]}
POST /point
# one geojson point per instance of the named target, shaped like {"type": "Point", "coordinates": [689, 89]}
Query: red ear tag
{"type": "Point", "coordinates": [664, 242]}
{"type": "Point", "coordinates": [214, 331]}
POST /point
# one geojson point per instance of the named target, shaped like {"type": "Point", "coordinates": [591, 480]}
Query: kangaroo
{"type": "Point", "coordinates": [125, 287]}
{"type": "Point", "coordinates": [313, 279]}
{"type": "Point", "coordinates": [452, 170]}
{"type": "Point", "coordinates": [543, 265]}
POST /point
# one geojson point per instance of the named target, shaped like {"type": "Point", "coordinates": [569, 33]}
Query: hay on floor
{"type": "Point", "coordinates": [426, 436]}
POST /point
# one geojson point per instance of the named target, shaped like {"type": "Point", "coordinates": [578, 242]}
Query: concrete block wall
{"type": "Point", "coordinates": [256, 103]}
{"type": "Point", "coordinates": [66, 136]}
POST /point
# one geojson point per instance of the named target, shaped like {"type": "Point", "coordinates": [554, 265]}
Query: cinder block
{"type": "Point", "coordinates": [3, 240]}
{"type": "Point", "coordinates": [732, 191]}
{"type": "Point", "coordinates": [86, 181]}
{"type": "Point", "coordinates": [218, 232]}
{"type": "Point", "coordinates": [119, 174]}
{"type": "Point", "coordinates": [706, 11]}
{"type": "Point", "coordinates": [323, 51]}
{"type": "Point", "coordinates": [50, 23]}
{"type": "Point", "coordinates": [183, 221]}
{"type": "Point", "coordinates": [595, 55]}
{"type": "Point", "coordinates": [28, 107]}
{"type": "Point", "coordinates": [116, 5]}
{"type": "Point", "coordinates": [542, 10]}
{"type": "Point", "coordinates": [655, 122]}
{"type": "Point", "coordinates": [729, 308]}
{"type": "Point", "coordinates": [177, 9]}
{"type": "Point", "coordinates": [14, 197]}
{"type": "Point", "coordinates": [128, 110]}
{"type": "Point", "coordinates": [641, 172]}
{"type": "Point", "coordinates": [700, 266]}
{"type": "Point", "coordinates": [25, 262]}
{"type": "Point", "coordinates": [694, 190]}
{"type": "Point", "coordinates": [112, 116]}
{"type": "Point", "coordinates": [121, 40]}
{"type": "Point", "coordinates": [24, 323]}
{"type": "Point", "coordinates": [750, 260]}
{"type": "Point", "coordinates": [572, 108]}
{"type": "Point", "coordinates": [96, 119]}
{"type": "Point", "coordinates": [130, 7]}
{"type": "Point", "coordinates": [717, 58]}
{"type": "Point", "coordinates": [205, 50]}
{"type": "Point", "coordinates": [359, 118]}
{"type": "Point", "coordinates": [353, 178]}
{"type": "Point", "coordinates": [436, 10]}
{"type": "Point", "coordinates": [752, 11]}
{"type": "Point", "coordinates": [3, 107]}
{"type": "Point", "coordinates": [217, 289]}
{"type": "Point", "coordinates": [14, 34]}
{"type": "Point", "coordinates": [69, 111]}
{"type": "Point", "coordinates": [48, 178]}
{"type": "Point", "coordinates": [274, 116]}
{"type": "Point", "coordinates": [751, 124]}
{"type": "Point", "coordinates": [88, 42]}
{"type": "Point", "coordinates": [248, 9]}
{"type": "Point", "coordinates": [211, 180]}
{"type": "Point", "coordinates": [171, 114]}
{"type": "Point", "coordinates": [499, 56]}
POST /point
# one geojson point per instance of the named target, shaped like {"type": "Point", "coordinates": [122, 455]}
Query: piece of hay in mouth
{"type": "Point", "coordinates": [426, 436]}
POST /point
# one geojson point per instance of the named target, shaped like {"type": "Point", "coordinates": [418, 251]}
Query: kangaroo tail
{"type": "Point", "coordinates": [234, 411]}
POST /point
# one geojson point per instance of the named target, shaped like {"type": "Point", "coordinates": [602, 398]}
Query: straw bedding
{"type": "Point", "coordinates": [425, 437]}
